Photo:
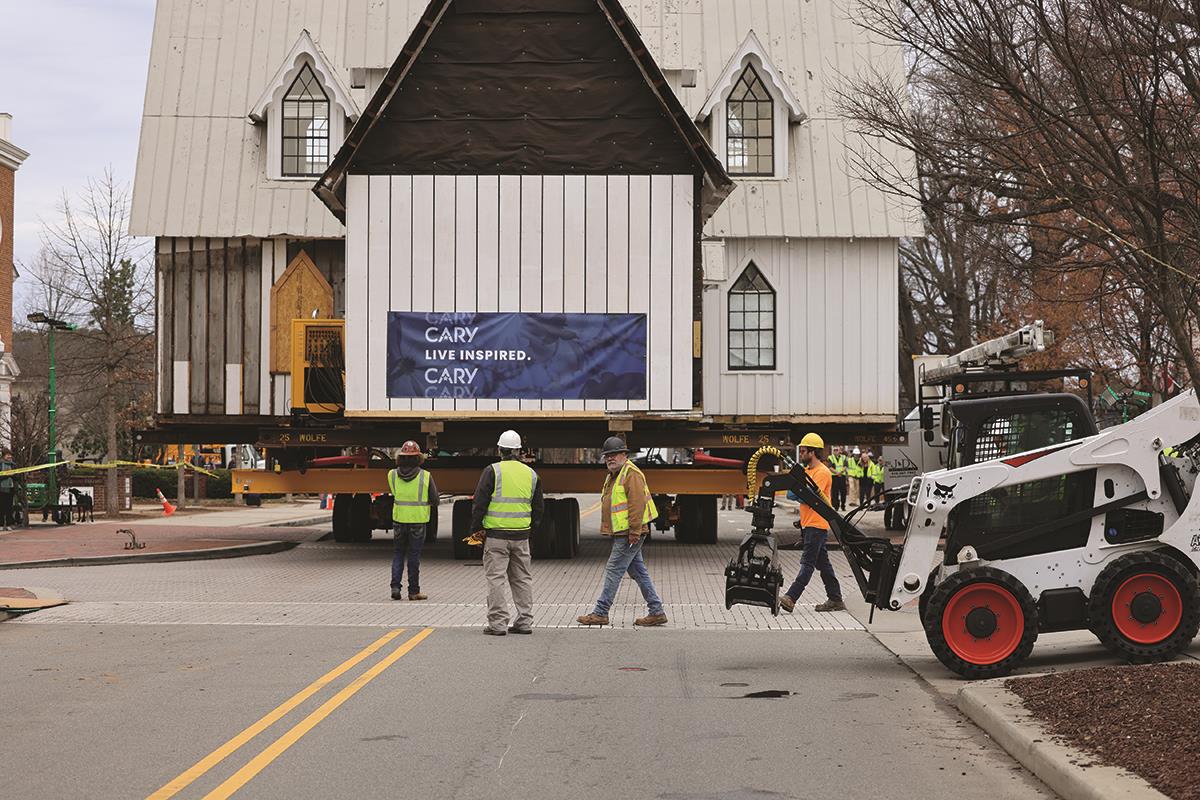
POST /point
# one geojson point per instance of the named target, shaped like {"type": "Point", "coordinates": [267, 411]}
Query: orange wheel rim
{"type": "Point", "coordinates": [983, 623]}
{"type": "Point", "coordinates": [1147, 608]}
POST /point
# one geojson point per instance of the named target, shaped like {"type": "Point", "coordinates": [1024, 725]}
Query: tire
{"type": "Point", "coordinates": [923, 601]}
{"type": "Point", "coordinates": [687, 529]}
{"type": "Point", "coordinates": [1158, 589]}
{"type": "Point", "coordinates": [341, 517]}
{"type": "Point", "coordinates": [460, 528]}
{"type": "Point", "coordinates": [360, 518]}
{"type": "Point", "coordinates": [542, 538]}
{"type": "Point", "coordinates": [565, 532]}
{"type": "Point", "coordinates": [984, 598]}
{"type": "Point", "coordinates": [253, 500]}
{"type": "Point", "coordinates": [572, 506]}
{"type": "Point", "coordinates": [707, 532]}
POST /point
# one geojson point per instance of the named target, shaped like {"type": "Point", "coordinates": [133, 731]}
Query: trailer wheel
{"type": "Point", "coordinates": [360, 518]}
{"type": "Point", "coordinates": [687, 528]}
{"type": "Point", "coordinates": [542, 539]}
{"type": "Point", "coordinates": [341, 517]}
{"type": "Point", "coordinates": [566, 532]}
{"type": "Point", "coordinates": [1145, 607]}
{"type": "Point", "coordinates": [981, 623]}
{"type": "Point", "coordinates": [572, 506]}
{"type": "Point", "coordinates": [460, 524]}
{"type": "Point", "coordinates": [707, 534]}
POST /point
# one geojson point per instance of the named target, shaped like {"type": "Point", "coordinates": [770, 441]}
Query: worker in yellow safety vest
{"type": "Point", "coordinates": [507, 508]}
{"type": "Point", "coordinates": [626, 510]}
{"type": "Point", "coordinates": [876, 472]}
{"type": "Point", "coordinates": [414, 516]}
{"type": "Point", "coordinates": [839, 464]}
{"type": "Point", "coordinates": [854, 475]}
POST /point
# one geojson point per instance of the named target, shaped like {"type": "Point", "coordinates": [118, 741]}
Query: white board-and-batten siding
{"type": "Point", "coordinates": [520, 243]}
{"type": "Point", "coordinates": [836, 334]}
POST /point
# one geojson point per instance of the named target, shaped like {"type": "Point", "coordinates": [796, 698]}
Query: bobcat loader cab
{"type": "Point", "coordinates": [978, 405]}
{"type": "Point", "coordinates": [1100, 533]}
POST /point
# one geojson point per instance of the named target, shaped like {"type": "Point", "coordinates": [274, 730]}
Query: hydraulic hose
{"type": "Point", "coordinates": [752, 467]}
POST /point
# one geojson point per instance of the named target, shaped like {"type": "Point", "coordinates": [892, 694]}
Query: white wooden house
{"type": "Point", "coordinates": [770, 295]}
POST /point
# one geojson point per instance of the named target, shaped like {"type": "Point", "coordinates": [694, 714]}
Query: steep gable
{"type": "Point", "coordinates": [525, 87]}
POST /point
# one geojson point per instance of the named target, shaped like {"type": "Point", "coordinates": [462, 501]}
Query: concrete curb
{"type": "Point", "coordinates": [1001, 714]}
{"type": "Point", "coordinates": [232, 551]}
{"type": "Point", "coordinates": [307, 522]}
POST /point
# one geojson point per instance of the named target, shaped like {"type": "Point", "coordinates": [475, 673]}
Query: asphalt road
{"type": "Point", "coordinates": [119, 711]}
{"type": "Point", "coordinates": [295, 676]}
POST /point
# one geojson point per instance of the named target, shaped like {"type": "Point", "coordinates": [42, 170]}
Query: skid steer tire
{"type": "Point", "coordinates": [1145, 607]}
{"type": "Point", "coordinates": [981, 623]}
{"type": "Point", "coordinates": [923, 601]}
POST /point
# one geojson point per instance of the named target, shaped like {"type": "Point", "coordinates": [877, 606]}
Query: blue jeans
{"type": "Point", "coordinates": [626, 558]}
{"type": "Point", "coordinates": [815, 557]}
{"type": "Point", "coordinates": [408, 541]}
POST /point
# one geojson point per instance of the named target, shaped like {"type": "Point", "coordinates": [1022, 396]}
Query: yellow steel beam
{"type": "Point", "coordinates": [555, 479]}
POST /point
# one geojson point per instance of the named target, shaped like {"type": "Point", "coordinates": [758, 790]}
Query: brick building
{"type": "Point", "coordinates": [11, 158]}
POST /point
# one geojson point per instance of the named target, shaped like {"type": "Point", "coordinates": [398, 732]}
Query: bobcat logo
{"type": "Point", "coordinates": [943, 492]}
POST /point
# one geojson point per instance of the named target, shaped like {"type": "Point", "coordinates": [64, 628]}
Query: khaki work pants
{"type": "Point", "coordinates": [504, 561]}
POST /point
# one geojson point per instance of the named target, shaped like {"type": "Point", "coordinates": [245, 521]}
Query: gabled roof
{"type": "Point", "coordinates": [329, 79]}
{"type": "Point", "coordinates": [733, 68]}
{"type": "Point", "coordinates": [716, 183]}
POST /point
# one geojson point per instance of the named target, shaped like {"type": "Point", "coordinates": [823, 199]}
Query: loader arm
{"type": "Point", "coordinates": [873, 560]}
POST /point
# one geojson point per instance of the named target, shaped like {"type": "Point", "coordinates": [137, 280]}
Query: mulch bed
{"type": "Point", "coordinates": [1145, 719]}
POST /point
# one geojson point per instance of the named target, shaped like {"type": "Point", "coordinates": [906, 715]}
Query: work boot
{"type": "Point", "coordinates": [592, 619]}
{"type": "Point", "coordinates": [418, 596]}
{"type": "Point", "coordinates": [831, 605]}
{"type": "Point", "coordinates": [397, 594]}
{"type": "Point", "coordinates": [515, 629]}
{"type": "Point", "coordinates": [651, 620]}
{"type": "Point", "coordinates": [786, 603]}
{"type": "Point", "coordinates": [490, 631]}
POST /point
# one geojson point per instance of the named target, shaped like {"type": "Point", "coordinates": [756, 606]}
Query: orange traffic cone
{"type": "Point", "coordinates": [168, 509]}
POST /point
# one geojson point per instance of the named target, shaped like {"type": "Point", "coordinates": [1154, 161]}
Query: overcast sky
{"type": "Point", "coordinates": [73, 75]}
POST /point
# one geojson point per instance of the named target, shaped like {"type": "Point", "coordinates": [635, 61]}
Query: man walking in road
{"type": "Point", "coordinates": [508, 506]}
{"type": "Point", "coordinates": [626, 510]}
{"type": "Point", "coordinates": [840, 462]}
{"type": "Point", "coordinates": [816, 534]}
{"type": "Point", "coordinates": [414, 515]}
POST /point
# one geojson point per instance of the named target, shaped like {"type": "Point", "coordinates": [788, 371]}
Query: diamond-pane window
{"type": "Point", "coordinates": [305, 126]}
{"type": "Point", "coordinates": [750, 127]}
{"type": "Point", "coordinates": [751, 322]}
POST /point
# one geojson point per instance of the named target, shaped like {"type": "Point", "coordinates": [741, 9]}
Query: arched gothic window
{"type": "Point", "coordinates": [305, 126]}
{"type": "Point", "coordinates": [751, 322]}
{"type": "Point", "coordinates": [750, 127]}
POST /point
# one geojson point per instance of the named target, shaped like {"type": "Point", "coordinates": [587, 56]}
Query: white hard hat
{"type": "Point", "coordinates": [857, 452]}
{"type": "Point", "coordinates": [509, 440]}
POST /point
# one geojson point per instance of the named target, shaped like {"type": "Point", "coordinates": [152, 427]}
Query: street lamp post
{"type": "Point", "coordinates": [52, 325]}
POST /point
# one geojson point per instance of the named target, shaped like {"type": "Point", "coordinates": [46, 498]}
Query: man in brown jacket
{"type": "Point", "coordinates": [626, 509]}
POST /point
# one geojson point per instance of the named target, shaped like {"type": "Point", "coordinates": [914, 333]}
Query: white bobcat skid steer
{"type": "Point", "coordinates": [1099, 534]}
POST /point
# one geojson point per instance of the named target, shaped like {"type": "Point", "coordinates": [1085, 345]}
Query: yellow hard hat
{"type": "Point", "coordinates": [813, 441]}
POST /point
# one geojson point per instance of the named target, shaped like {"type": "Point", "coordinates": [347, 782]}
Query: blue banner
{"type": "Point", "coordinates": [469, 356]}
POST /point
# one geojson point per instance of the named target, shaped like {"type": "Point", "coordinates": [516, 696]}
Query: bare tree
{"type": "Point", "coordinates": [99, 277]}
{"type": "Point", "coordinates": [1074, 121]}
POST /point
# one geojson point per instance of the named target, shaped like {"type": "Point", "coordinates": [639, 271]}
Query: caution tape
{"type": "Point", "coordinates": [107, 465]}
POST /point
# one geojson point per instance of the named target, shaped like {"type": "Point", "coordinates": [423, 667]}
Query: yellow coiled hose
{"type": "Point", "coordinates": [752, 467]}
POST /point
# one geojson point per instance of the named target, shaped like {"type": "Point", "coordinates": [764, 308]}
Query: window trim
{"type": "Point", "coordinates": [773, 367]}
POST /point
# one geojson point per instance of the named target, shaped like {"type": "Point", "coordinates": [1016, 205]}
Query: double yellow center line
{"type": "Point", "coordinates": [280, 745]}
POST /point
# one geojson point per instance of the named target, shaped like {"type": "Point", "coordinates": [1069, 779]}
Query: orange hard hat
{"type": "Point", "coordinates": [410, 448]}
